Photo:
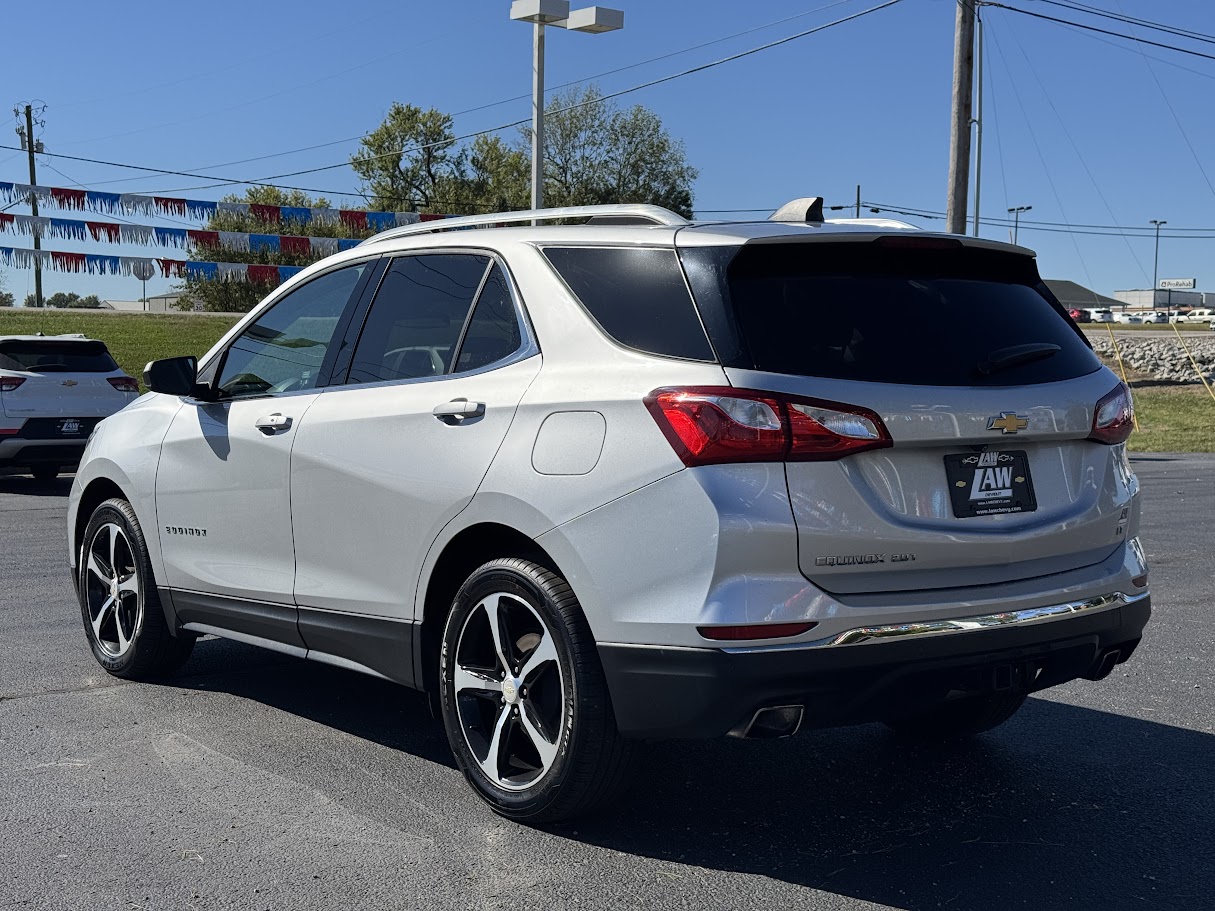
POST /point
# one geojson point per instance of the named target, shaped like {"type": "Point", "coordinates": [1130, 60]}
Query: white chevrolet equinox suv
{"type": "Point", "coordinates": [623, 477]}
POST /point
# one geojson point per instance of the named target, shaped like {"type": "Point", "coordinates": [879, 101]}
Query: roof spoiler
{"type": "Point", "coordinates": [805, 209]}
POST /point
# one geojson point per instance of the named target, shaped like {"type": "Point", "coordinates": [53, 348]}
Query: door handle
{"type": "Point", "coordinates": [459, 409]}
{"type": "Point", "coordinates": [272, 423]}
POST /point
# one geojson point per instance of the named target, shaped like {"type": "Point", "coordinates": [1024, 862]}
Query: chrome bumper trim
{"type": "Point", "coordinates": [929, 628]}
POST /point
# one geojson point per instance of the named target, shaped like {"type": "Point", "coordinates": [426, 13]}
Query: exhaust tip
{"type": "Point", "coordinates": [772, 723]}
{"type": "Point", "coordinates": [1105, 665]}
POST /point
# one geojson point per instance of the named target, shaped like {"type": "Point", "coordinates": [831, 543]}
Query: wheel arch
{"type": "Point", "coordinates": [95, 493]}
{"type": "Point", "coordinates": [469, 548]}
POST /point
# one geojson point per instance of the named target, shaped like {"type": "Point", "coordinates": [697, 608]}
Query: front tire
{"type": "Point", "coordinates": [523, 695]}
{"type": "Point", "coordinates": [959, 718]}
{"type": "Point", "coordinates": [123, 618]}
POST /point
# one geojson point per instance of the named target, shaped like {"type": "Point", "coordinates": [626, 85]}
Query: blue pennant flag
{"type": "Point", "coordinates": [204, 271]}
{"type": "Point", "coordinates": [381, 221]}
{"type": "Point", "coordinates": [171, 237]}
{"type": "Point", "coordinates": [348, 243]}
{"type": "Point", "coordinates": [295, 213]}
{"type": "Point", "coordinates": [263, 242]}
{"type": "Point", "coordinates": [285, 272]}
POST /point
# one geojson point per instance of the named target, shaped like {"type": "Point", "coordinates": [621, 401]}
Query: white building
{"type": "Point", "coordinates": [1147, 299]}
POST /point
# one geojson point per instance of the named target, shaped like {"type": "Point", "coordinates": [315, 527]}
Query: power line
{"type": "Point", "coordinates": [1075, 147]}
{"type": "Point", "coordinates": [269, 180]}
{"type": "Point", "coordinates": [1131, 20]}
{"type": "Point", "coordinates": [1103, 31]}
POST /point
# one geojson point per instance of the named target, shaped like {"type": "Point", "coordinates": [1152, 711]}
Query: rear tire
{"type": "Point", "coordinates": [45, 472]}
{"type": "Point", "coordinates": [123, 618]}
{"type": "Point", "coordinates": [535, 738]}
{"type": "Point", "coordinates": [959, 718]}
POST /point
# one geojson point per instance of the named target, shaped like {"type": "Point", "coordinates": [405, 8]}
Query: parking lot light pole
{"type": "Point", "coordinates": [593, 20]}
{"type": "Point", "coordinates": [1156, 268]}
{"type": "Point", "coordinates": [1016, 214]}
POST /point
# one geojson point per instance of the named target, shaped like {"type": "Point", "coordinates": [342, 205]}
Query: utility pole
{"type": "Point", "coordinates": [959, 127]}
{"type": "Point", "coordinates": [30, 143]}
{"type": "Point", "coordinates": [978, 116]}
{"type": "Point", "coordinates": [538, 115]}
{"type": "Point", "coordinates": [1016, 214]}
{"type": "Point", "coordinates": [858, 200]}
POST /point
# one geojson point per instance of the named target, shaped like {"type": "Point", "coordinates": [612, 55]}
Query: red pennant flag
{"type": "Point", "coordinates": [430, 216]}
{"type": "Point", "coordinates": [6, 219]}
{"type": "Point", "coordinates": [67, 262]}
{"type": "Point", "coordinates": [68, 199]}
{"type": "Point", "coordinates": [169, 205]}
{"type": "Point", "coordinates": [271, 214]}
{"type": "Point", "coordinates": [301, 246]}
{"type": "Point", "coordinates": [104, 231]}
{"type": "Point", "coordinates": [204, 238]}
{"type": "Point", "coordinates": [172, 268]}
{"type": "Point", "coordinates": [354, 218]}
{"type": "Point", "coordinates": [266, 275]}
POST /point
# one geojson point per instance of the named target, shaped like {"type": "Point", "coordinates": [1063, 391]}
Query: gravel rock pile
{"type": "Point", "coordinates": [1162, 357]}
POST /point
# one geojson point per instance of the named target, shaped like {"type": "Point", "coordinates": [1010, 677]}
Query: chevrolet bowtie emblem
{"type": "Point", "coordinates": [1007, 422]}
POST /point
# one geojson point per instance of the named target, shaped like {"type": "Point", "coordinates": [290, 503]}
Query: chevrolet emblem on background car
{"type": "Point", "coordinates": [1007, 422]}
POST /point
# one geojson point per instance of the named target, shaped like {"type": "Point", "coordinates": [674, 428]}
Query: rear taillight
{"type": "Point", "coordinates": [709, 425]}
{"type": "Point", "coordinates": [9, 383]}
{"type": "Point", "coordinates": [123, 383]}
{"type": "Point", "coordinates": [1114, 417]}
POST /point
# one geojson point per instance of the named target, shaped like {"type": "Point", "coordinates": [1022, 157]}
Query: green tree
{"type": "Point", "coordinates": [411, 163]}
{"type": "Point", "coordinates": [91, 302]}
{"type": "Point", "coordinates": [596, 153]}
{"type": "Point", "coordinates": [6, 296]}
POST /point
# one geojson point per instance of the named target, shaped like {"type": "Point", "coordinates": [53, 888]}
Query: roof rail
{"type": "Point", "coordinates": [633, 213]}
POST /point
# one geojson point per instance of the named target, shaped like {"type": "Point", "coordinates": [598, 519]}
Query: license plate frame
{"type": "Point", "coordinates": [71, 427]}
{"type": "Point", "coordinates": [992, 482]}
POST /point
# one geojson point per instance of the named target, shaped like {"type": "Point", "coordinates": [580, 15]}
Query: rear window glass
{"type": "Point", "coordinates": [56, 357]}
{"type": "Point", "coordinates": [637, 296]}
{"type": "Point", "coordinates": [919, 316]}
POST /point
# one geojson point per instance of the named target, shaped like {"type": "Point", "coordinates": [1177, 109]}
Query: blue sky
{"type": "Point", "coordinates": [1084, 128]}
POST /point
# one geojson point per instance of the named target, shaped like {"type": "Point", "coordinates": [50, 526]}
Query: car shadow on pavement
{"type": "Point", "coordinates": [25, 486]}
{"type": "Point", "coordinates": [1062, 807]}
{"type": "Point", "coordinates": [376, 710]}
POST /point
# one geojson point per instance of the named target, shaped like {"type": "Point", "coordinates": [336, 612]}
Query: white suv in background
{"type": "Point", "coordinates": [635, 478]}
{"type": "Point", "coordinates": [53, 391]}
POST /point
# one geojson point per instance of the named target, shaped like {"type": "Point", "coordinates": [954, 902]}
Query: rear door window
{"type": "Point", "coordinates": [638, 297]}
{"type": "Point", "coordinates": [892, 314]}
{"type": "Point", "coordinates": [493, 329]}
{"type": "Point", "coordinates": [37, 356]}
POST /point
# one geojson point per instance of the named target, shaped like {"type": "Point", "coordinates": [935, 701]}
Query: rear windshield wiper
{"type": "Point", "coordinates": [1015, 355]}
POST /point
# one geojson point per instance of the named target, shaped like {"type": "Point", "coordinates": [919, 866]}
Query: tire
{"type": "Point", "coordinates": [559, 754]}
{"type": "Point", "coordinates": [959, 718]}
{"type": "Point", "coordinates": [44, 472]}
{"type": "Point", "coordinates": [130, 638]}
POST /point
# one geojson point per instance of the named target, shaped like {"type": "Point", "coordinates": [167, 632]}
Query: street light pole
{"type": "Point", "coordinates": [593, 20]}
{"type": "Point", "coordinates": [1016, 214]}
{"type": "Point", "coordinates": [538, 115]}
{"type": "Point", "coordinates": [1156, 268]}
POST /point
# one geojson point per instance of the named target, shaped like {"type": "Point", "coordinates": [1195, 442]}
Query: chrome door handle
{"type": "Point", "coordinates": [459, 409]}
{"type": "Point", "coordinates": [272, 423]}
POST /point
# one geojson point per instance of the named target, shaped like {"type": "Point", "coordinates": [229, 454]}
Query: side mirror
{"type": "Point", "coordinates": [172, 375]}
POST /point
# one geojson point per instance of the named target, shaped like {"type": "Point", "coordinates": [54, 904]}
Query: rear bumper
{"type": "Point", "coordinates": [660, 692]}
{"type": "Point", "coordinates": [20, 451]}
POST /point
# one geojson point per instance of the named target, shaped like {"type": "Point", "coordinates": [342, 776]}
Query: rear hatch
{"type": "Point", "coordinates": [53, 379]}
{"type": "Point", "coordinates": [985, 387]}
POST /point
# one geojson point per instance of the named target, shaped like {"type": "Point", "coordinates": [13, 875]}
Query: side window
{"type": "Point", "coordinates": [637, 296]}
{"type": "Point", "coordinates": [493, 331]}
{"type": "Point", "coordinates": [417, 317]}
{"type": "Point", "coordinates": [284, 349]}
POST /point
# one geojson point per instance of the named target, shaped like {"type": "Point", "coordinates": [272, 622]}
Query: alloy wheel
{"type": "Point", "coordinates": [111, 583]}
{"type": "Point", "coordinates": [510, 692]}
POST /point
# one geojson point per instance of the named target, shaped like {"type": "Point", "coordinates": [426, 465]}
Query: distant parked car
{"type": "Point", "coordinates": [1156, 316]}
{"type": "Point", "coordinates": [1197, 315]}
{"type": "Point", "coordinates": [1101, 315]}
{"type": "Point", "coordinates": [53, 391]}
{"type": "Point", "coordinates": [1079, 316]}
{"type": "Point", "coordinates": [1133, 319]}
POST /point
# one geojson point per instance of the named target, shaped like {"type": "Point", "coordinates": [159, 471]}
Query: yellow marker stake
{"type": "Point", "coordinates": [1193, 362]}
{"type": "Point", "coordinates": [1122, 367]}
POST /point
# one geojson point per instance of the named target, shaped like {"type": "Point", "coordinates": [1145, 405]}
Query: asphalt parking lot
{"type": "Point", "coordinates": [258, 781]}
